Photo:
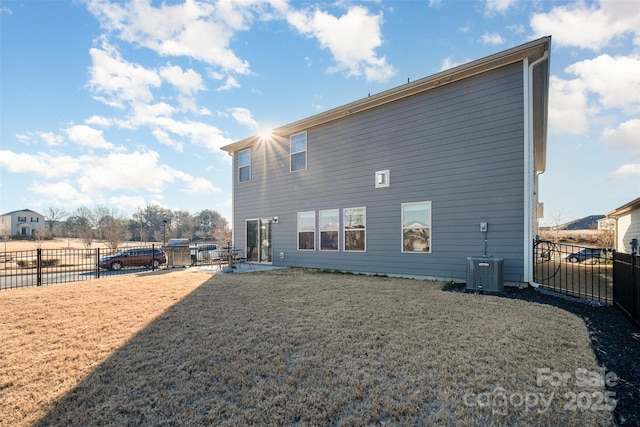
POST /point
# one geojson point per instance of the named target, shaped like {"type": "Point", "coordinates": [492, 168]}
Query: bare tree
{"type": "Point", "coordinates": [54, 216]}
{"type": "Point", "coordinates": [114, 231]}
{"type": "Point", "coordinates": [39, 236]}
{"type": "Point", "coordinates": [5, 231]}
{"type": "Point", "coordinates": [81, 225]}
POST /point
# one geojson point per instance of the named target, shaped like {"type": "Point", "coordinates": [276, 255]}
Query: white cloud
{"type": "Point", "coordinates": [164, 138]}
{"type": "Point", "coordinates": [49, 138]}
{"type": "Point", "coordinates": [499, 6]}
{"type": "Point", "coordinates": [602, 83]}
{"type": "Point", "coordinates": [86, 136]}
{"type": "Point", "coordinates": [40, 164]}
{"type": "Point", "coordinates": [352, 40]}
{"type": "Point", "coordinates": [229, 84]}
{"type": "Point", "coordinates": [567, 106]}
{"type": "Point", "coordinates": [135, 171]}
{"type": "Point", "coordinates": [616, 80]}
{"type": "Point", "coordinates": [625, 138]}
{"type": "Point", "coordinates": [201, 186]}
{"type": "Point", "coordinates": [60, 192]}
{"type": "Point", "coordinates": [448, 63]}
{"type": "Point", "coordinates": [98, 121]}
{"type": "Point", "coordinates": [625, 171]}
{"type": "Point", "coordinates": [198, 133]}
{"type": "Point", "coordinates": [4, 10]}
{"type": "Point", "coordinates": [116, 81]}
{"type": "Point", "coordinates": [243, 117]}
{"type": "Point", "coordinates": [128, 203]}
{"type": "Point", "coordinates": [516, 28]}
{"type": "Point", "coordinates": [589, 26]}
{"type": "Point", "coordinates": [493, 38]}
{"type": "Point", "coordinates": [187, 82]}
{"type": "Point", "coordinates": [198, 30]}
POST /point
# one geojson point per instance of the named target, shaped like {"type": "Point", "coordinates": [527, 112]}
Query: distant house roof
{"type": "Point", "coordinates": [624, 209]}
{"type": "Point", "coordinates": [22, 210]}
{"type": "Point", "coordinates": [533, 50]}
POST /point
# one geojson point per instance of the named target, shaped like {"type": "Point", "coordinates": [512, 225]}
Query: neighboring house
{"type": "Point", "coordinates": [606, 224]}
{"type": "Point", "coordinates": [627, 225]}
{"type": "Point", "coordinates": [21, 223]}
{"type": "Point", "coordinates": [401, 182]}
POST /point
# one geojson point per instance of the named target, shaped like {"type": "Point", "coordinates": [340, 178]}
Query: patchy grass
{"type": "Point", "coordinates": [289, 348]}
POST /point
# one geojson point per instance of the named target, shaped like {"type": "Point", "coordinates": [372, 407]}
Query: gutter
{"type": "Point", "coordinates": [544, 57]}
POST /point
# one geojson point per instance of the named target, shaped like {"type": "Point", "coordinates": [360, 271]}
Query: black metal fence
{"type": "Point", "coordinates": [626, 284]}
{"type": "Point", "coordinates": [40, 267]}
{"type": "Point", "coordinates": [575, 270]}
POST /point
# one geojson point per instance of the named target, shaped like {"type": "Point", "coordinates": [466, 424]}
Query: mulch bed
{"type": "Point", "coordinates": [615, 342]}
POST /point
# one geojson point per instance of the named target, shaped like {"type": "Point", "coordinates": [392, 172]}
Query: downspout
{"type": "Point", "coordinates": [529, 171]}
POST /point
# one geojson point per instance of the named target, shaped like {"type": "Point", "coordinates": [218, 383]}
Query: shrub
{"type": "Point", "coordinates": [24, 263]}
{"type": "Point", "coordinates": [50, 262]}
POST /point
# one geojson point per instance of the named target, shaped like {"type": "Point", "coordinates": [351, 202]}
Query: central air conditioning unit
{"type": "Point", "coordinates": [484, 274]}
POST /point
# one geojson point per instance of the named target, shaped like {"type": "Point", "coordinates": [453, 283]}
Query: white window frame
{"type": "Point", "coordinates": [382, 179]}
{"type": "Point", "coordinates": [346, 226]}
{"type": "Point", "coordinates": [305, 230]}
{"type": "Point", "coordinates": [323, 228]}
{"type": "Point", "coordinates": [244, 166]}
{"type": "Point", "coordinates": [403, 227]}
{"type": "Point", "coordinates": [292, 153]}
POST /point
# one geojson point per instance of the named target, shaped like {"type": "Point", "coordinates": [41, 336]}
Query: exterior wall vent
{"type": "Point", "coordinates": [484, 274]}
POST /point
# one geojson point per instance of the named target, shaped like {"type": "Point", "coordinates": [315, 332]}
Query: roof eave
{"type": "Point", "coordinates": [624, 209]}
{"type": "Point", "coordinates": [534, 49]}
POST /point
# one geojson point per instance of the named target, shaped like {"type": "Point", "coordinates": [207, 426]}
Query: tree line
{"type": "Point", "coordinates": [151, 223]}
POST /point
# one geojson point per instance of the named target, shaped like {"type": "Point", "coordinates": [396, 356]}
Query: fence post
{"type": "Point", "coordinates": [39, 266]}
{"type": "Point", "coordinates": [635, 286]}
{"type": "Point", "coordinates": [97, 263]}
{"type": "Point", "coordinates": [153, 257]}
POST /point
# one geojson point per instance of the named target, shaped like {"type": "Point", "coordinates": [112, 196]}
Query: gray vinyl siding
{"type": "Point", "coordinates": [459, 146]}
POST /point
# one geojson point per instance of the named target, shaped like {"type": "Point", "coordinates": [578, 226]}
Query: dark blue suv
{"type": "Point", "coordinates": [585, 254]}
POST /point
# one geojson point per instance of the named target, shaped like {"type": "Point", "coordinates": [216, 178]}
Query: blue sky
{"type": "Point", "coordinates": [127, 103]}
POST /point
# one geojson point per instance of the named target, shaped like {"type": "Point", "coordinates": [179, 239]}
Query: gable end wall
{"type": "Point", "coordinates": [459, 146]}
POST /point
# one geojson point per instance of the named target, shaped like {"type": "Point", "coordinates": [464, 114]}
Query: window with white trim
{"type": "Point", "coordinates": [416, 227]}
{"type": "Point", "coordinates": [306, 231]}
{"type": "Point", "coordinates": [298, 151]}
{"type": "Point", "coordinates": [329, 224]}
{"type": "Point", "coordinates": [355, 229]}
{"type": "Point", "coordinates": [244, 165]}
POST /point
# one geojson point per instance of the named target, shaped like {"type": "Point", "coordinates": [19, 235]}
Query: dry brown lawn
{"type": "Point", "coordinates": [288, 347]}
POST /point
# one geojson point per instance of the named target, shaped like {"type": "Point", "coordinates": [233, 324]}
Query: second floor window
{"type": "Point", "coordinates": [244, 165]}
{"type": "Point", "coordinates": [299, 151]}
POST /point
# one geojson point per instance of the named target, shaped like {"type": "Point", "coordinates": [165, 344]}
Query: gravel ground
{"type": "Point", "coordinates": [615, 342]}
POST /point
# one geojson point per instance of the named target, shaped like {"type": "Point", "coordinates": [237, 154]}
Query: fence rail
{"type": "Point", "coordinates": [626, 288]}
{"type": "Point", "coordinates": [40, 267]}
{"type": "Point", "coordinates": [575, 270]}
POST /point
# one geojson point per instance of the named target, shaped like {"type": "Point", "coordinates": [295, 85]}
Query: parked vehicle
{"type": "Point", "coordinates": [137, 257]}
{"type": "Point", "coordinates": [585, 254]}
{"type": "Point", "coordinates": [205, 252]}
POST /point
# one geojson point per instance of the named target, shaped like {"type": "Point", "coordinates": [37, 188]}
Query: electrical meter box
{"type": "Point", "coordinates": [484, 274]}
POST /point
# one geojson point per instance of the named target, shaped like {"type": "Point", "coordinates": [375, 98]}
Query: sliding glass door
{"type": "Point", "coordinates": [259, 235]}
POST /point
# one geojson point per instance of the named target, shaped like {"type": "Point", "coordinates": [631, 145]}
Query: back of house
{"type": "Point", "coordinates": [410, 182]}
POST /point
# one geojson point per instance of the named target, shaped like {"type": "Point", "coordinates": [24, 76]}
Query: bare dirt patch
{"type": "Point", "coordinates": [289, 347]}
